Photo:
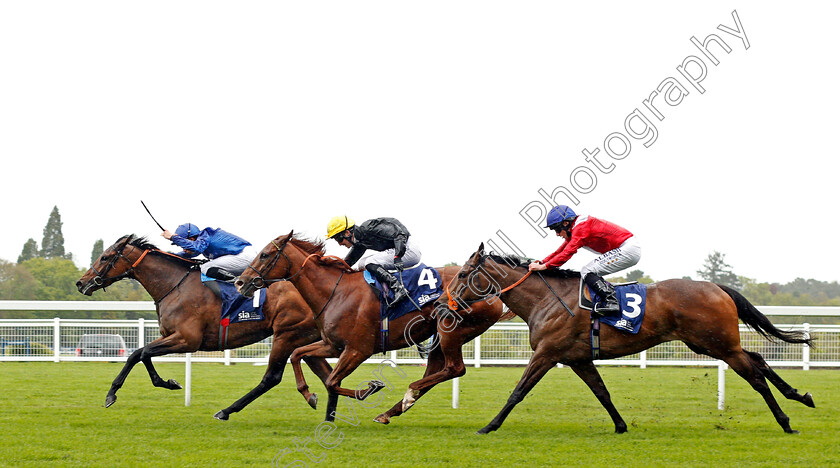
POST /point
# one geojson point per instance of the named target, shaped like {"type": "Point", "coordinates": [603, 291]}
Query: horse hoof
{"type": "Point", "coordinates": [172, 384]}
{"type": "Point", "coordinates": [110, 400]}
{"type": "Point", "coordinates": [221, 416]}
{"type": "Point", "coordinates": [313, 401]}
{"type": "Point", "coordinates": [808, 400]}
{"type": "Point", "coordinates": [791, 431]}
{"type": "Point", "coordinates": [382, 419]}
{"type": "Point", "coordinates": [485, 430]}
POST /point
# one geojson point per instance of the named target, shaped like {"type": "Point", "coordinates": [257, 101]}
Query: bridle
{"type": "Point", "coordinates": [453, 304]}
{"type": "Point", "coordinates": [260, 280]}
{"type": "Point", "coordinates": [99, 279]}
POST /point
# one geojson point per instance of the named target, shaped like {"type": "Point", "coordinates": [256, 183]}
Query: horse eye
{"type": "Point", "coordinates": [263, 256]}
{"type": "Point", "coordinates": [462, 275]}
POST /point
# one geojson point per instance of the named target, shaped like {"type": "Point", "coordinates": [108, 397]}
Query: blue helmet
{"type": "Point", "coordinates": [187, 230]}
{"type": "Point", "coordinates": [558, 214]}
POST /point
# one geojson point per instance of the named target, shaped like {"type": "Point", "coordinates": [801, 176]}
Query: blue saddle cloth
{"type": "Point", "coordinates": [423, 284]}
{"type": "Point", "coordinates": [631, 300]}
{"type": "Point", "coordinates": [238, 308]}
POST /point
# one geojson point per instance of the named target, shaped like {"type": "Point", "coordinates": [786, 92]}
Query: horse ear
{"type": "Point", "coordinates": [481, 248]}
{"type": "Point", "coordinates": [291, 233]}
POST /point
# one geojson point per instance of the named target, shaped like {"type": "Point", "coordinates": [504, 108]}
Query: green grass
{"type": "Point", "coordinates": [52, 415]}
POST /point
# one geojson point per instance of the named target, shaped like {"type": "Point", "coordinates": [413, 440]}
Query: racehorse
{"type": "Point", "coordinates": [189, 315]}
{"type": "Point", "coordinates": [701, 314]}
{"type": "Point", "coordinates": [348, 315]}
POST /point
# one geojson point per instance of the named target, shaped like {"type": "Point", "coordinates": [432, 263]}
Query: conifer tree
{"type": "Point", "coordinates": [98, 248]}
{"type": "Point", "coordinates": [30, 250]}
{"type": "Point", "coordinates": [52, 246]}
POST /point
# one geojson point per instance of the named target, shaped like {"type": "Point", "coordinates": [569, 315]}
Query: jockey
{"type": "Point", "coordinates": [618, 248]}
{"type": "Point", "coordinates": [228, 254]}
{"type": "Point", "coordinates": [388, 237]}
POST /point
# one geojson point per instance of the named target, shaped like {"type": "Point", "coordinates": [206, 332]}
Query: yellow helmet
{"type": "Point", "coordinates": [339, 224]}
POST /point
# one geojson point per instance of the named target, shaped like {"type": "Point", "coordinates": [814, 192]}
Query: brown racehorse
{"type": "Point", "coordinates": [703, 315]}
{"type": "Point", "coordinates": [347, 312]}
{"type": "Point", "coordinates": [189, 314]}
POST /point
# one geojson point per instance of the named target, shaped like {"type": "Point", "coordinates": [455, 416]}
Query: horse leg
{"type": "Point", "coordinates": [539, 364]}
{"type": "Point", "coordinates": [322, 369]}
{"type": "Point", "coordinates": [743, 365]}
{"type": "Point", "coordinates": [589, 374]}
{"type": "Point", "coordinates": [789, 392]}
{"type": "Point", "coordinates": [319, 349]}
{"type": "Point", "coordinates": [280, 352]}
{"type": "Point", "coordinates": [160, 346]}
{"type": "Point", "coordinates": [435, 364]}
{"type": "Point", "coordinates": [453, 366]}
{"type": "Point", "coordinates": [174, 343]}
{"type": "Point", "coordinates": [132, 360]}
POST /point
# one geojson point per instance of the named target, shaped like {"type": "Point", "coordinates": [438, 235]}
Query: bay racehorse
{"type": "Point", "coordinates": [701, 314]}
{"type": "Point", "coordinates": [347, 313]}
{"type": "Point", "coordinates": [189, 314]}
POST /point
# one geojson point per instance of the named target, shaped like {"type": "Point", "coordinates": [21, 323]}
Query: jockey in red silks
{"type": "Point", "coordinates": [617, 247]}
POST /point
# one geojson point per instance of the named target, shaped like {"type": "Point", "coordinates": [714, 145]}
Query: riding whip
{"type": "Point", "coordinates": [153, 218]}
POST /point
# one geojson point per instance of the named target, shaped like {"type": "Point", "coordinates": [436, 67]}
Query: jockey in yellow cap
{"type": "Point", "coordinates": [388, 237]}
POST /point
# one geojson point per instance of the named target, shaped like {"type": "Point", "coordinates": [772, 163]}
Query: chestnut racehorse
{"type": "Point", "coordinates": [701, 314]}
{"type": "Point", "coordinates": [189, 314]}
{"type": "Point", "coordinates": [347, 313]}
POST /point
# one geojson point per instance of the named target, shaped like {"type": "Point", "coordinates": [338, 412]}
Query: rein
{"type": "Point", "coordinates": [453, 304]}
{"type": "Point", "coordinates": [98, 279]}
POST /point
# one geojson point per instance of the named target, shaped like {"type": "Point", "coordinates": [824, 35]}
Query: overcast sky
{"type": "Point", "coordinates": [262, 117]}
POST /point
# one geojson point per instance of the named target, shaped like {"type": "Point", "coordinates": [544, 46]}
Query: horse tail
{"type": "Point", "coordinates": [759, 322]}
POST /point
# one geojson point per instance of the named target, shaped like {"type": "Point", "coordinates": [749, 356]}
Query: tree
{"type": "Point", "coordinates": [716, 270]}
{"type": "Point", "coordinates": [52, 246]}
{"type": "Point", "coordinates": [30, 250]}
{"type": "Point", "coordinates": [98, 248]}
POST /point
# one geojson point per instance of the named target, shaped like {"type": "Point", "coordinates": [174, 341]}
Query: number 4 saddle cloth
{"type": "Point", "coordinates": [631, 297]}
{"type": "Point", "coordinates": [423, 284]}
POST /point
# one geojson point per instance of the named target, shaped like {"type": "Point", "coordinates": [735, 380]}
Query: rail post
{"type": "Point", "coordinates": [56, 339]}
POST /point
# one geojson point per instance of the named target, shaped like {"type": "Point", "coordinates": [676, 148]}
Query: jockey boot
{"type": "Point", "coordinates": [608, 305]}
{"type": "Point", "coordinates": [380, 273]}
{"type": "Point", "coordinates": [220, 274]}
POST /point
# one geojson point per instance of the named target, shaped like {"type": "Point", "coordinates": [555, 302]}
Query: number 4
{"type": "Point", "coordinates": [427, 278]}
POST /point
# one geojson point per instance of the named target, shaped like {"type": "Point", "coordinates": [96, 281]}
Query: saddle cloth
{"type": "Point", "coordinates": [632, 298]}
{"type": "Point", "coordinates": [423, 283]}
{"type": "Point", "coordinates": [238, 308]}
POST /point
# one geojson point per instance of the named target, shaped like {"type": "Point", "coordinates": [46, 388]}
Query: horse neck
{"type": "Point", "coordinates": [158, 276]}
{"type": "Point", "coordinates": [522, 300]}
{"type": "Point", "coordinates": [316, 283]}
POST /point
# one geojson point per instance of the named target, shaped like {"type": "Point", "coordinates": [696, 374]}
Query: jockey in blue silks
{"type": "Point", "coordinates": [228, 255]}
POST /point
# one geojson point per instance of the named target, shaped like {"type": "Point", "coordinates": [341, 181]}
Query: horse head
{"type": "Point", "coordinates": [266, 266]}
{"type": "Point", "coordinates": [115, 263]}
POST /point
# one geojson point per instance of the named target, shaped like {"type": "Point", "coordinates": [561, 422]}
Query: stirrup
{"type": "Point", "coordinates": [399, 295]}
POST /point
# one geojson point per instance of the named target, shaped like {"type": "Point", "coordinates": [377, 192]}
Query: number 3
{"type": "Point", "coordinates": [633, 300]}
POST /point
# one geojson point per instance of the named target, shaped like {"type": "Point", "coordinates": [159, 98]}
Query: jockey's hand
{"type": "Point", "coordinates": [166, 234]}
{"type": "Point", "coordinates": [398, 264]}
{"type": "Point", "coordinates": [537, 266]}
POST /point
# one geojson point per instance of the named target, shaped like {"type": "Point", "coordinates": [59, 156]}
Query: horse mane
{"type": "Point", "coordinates": [317, 247]}
{"type": "Point", "coordinates": [142, 243]}
{"type": "Point", "coordinates": [309, 246]}
{"type": "Point", "coordinates": [523, 262]}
